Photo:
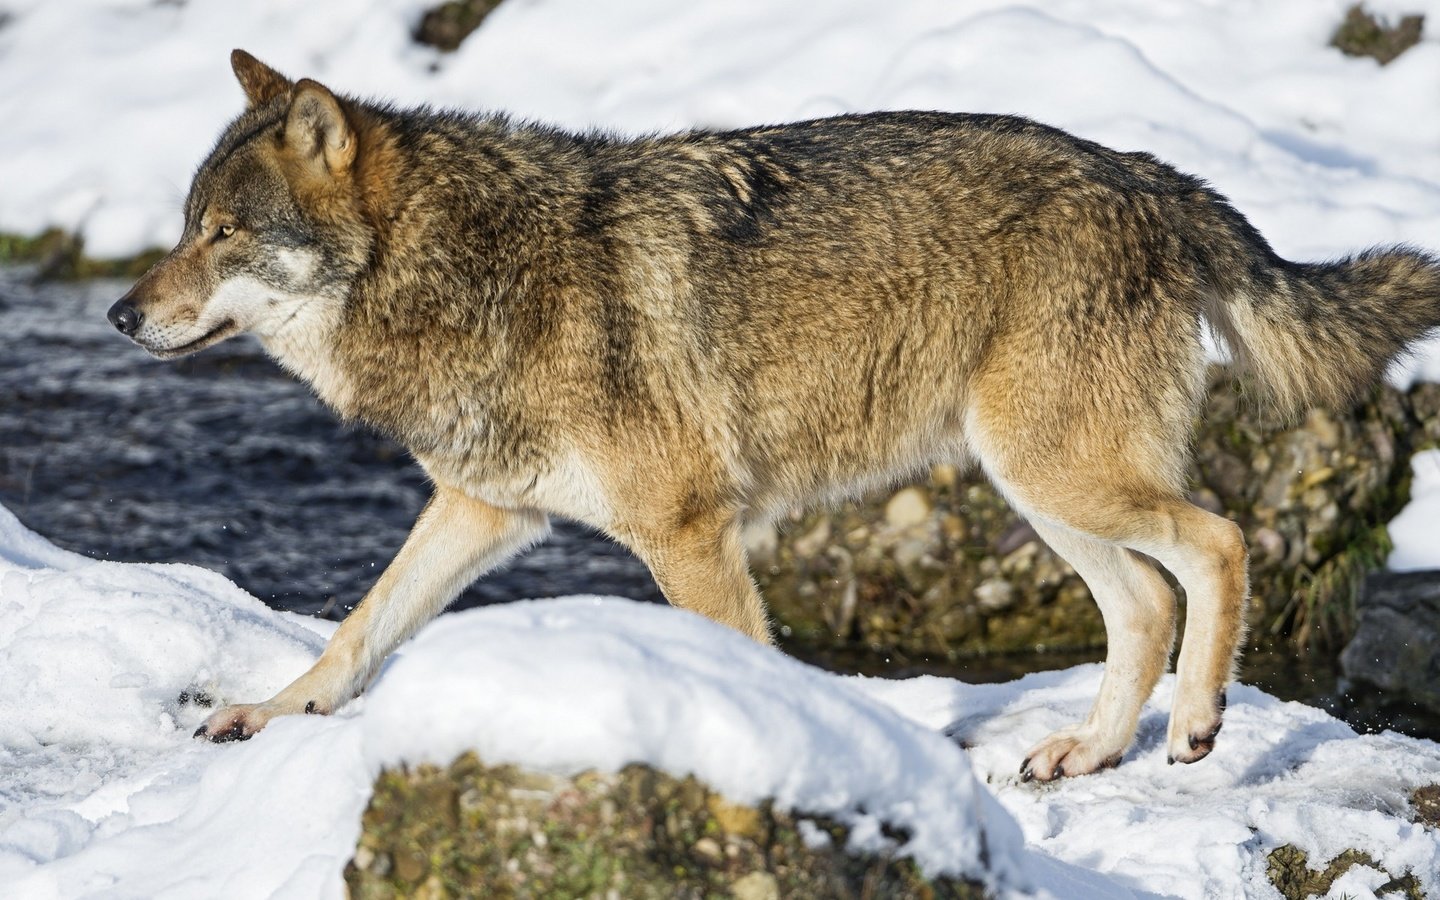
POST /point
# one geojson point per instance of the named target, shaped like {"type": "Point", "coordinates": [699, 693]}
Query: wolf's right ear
{"type": "Point", "coordinates": [260, 82]}
{"type": "Point", "coordinates": [317, 130]}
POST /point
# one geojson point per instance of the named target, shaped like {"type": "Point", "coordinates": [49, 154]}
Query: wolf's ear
{"type": "Point", "coordinates": [316, 128]}
{"type": "Point", "coordinates": [260, 82]}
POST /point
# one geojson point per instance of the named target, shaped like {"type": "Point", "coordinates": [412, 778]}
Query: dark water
{"type": "Point", "coordinates": [225, 461]}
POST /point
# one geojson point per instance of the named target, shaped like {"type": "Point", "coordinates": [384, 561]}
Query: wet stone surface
{"type": "Point", "coordinates": [225, 461]}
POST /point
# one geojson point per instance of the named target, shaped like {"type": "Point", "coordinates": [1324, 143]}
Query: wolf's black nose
{"type": "Point", "coordinates": [124, 317]}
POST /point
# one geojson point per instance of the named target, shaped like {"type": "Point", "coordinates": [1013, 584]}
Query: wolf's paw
{"type": "Point", "coordinates": [234, 723]}
{"type": "Point", "coordinates": [1193, 727]}
{"type": "Point", "coordinates": [1070, 751]}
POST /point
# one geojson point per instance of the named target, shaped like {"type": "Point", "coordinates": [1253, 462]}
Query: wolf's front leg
{"type": "Point", "coordinates": [455, 540]}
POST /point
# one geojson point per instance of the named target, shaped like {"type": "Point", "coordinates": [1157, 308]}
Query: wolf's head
{"type": "Point", "coordinates": [274, 229]}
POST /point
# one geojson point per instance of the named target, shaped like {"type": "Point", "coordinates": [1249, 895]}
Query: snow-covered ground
{"type": "Point", "coordinates": [109, 104]}
{"type": "Point", "coordinates": [106, 794]}
{"type": "Point", "coordinates": [1416, 531]}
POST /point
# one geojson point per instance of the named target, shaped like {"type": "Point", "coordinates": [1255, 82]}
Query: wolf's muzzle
{"type": "Point", "coordinates": [125, 317]}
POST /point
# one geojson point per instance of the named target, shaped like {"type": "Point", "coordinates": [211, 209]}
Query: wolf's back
{"type": "Point", "coordinates": [1311, 333]}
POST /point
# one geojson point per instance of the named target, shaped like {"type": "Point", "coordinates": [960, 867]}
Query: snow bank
{"type": "Point", "coordinates": [1416, 531]}
{"type": "Point", "coordinates": [109, 104]}
{"type": "Point", "coordinates": [103, 789]}
{"type": "Point", "coordinates": [1282, 773]}
{"type": "Point", "coordinates": [110, 792]}
{"type": "Point", "coordinates": [575, 684]}
{"type": "Point", "coordinates": [105, 792]}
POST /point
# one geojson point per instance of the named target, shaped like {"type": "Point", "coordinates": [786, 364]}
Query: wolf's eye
{"type": "Point", "coordinates": [224, 231]}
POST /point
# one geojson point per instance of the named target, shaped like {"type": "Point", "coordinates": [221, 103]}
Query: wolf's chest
{"type": "Point", "coordinates": [564, 485]}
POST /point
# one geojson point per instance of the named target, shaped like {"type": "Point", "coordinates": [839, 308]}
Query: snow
{"type": "Point", "coordinates": [110, 791]}
{"type": "Point", "coordinates": [106, 792]}
{"type": "Point", "coordinates": [108, 106]}
{"type": "Point", "coordinates": [1282, 773]}
{"type": "Point", "coordinates": [586, 683]}
{"type": "Point", "coordinates": [1415, 532]}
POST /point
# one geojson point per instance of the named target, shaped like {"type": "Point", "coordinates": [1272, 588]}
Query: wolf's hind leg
{"type": "Point", "coordinates": [1139, 612]}
{"type": "Point", "coordinates": [455, 539]}
{"type": "Point", "coordinates": [1206, 553]}
{"type": "Point", "coordinates": [701, 567]}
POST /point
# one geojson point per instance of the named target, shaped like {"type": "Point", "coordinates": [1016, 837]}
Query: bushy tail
{"type": "Point", "coordinates": [1313, 333]}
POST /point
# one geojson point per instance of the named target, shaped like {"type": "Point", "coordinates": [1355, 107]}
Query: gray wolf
{"type": "Point", "coordinates": [671, 336]}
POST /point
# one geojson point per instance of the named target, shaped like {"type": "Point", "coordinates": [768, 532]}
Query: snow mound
{"type": "Point", "coordinates": [569, 685]}
{"type": "Point", "coordinates": [105, 791]}
{"type": "Point", "coordinates": [103, 662]}
{"type": "Point", "coordinates": [101, 666]}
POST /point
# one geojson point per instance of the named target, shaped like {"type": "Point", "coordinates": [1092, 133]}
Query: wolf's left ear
{"type": "Point", "coordinates": [260, 82]}
{"type": "Point", "coordinates": [316, 128]}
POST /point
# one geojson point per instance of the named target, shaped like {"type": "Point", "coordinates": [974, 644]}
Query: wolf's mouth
{"type": "Point", "coordinates": [214, 336]}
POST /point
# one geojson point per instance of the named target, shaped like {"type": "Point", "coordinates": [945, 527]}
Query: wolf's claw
{"type": "Point", "coordinates": [235, 732]}
{"type": "Point", "coordinates": [1070, 752]}
{"type": "Point", "coordinates": [235, 723]}
{"type": "Point", "coordinates": [1193, 732]}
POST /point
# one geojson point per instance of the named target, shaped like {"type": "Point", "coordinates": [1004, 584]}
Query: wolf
{"type": "Point", "coordinates": [669, 337]}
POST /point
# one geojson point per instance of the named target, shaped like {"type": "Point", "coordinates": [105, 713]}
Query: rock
{"type": "Point", "coordinates": [58, 254]}
{"type": "Point", "coordinates": [1361, 34]}
{"type": "Point", "coordinates": [907, 507]}
{"type": "Point", "coordinates": [814, 542]}
{"type": "Point", "coordinates": [1397, 638]}
{"type": "Point", "coordinates": [471, 830]}
{"type": "Point", "coordinates": [995, 595]}
{"type": "Point", "coordinates": [1289, 870]}
{"type": "Point", "coordinates": [446, 25]}
{"type": "Point", "coordinates": [756, 886]}
{"type": "Point", "coordinates": [904, 573]}
{"type": "Point", "coordinates": [1425, 805]}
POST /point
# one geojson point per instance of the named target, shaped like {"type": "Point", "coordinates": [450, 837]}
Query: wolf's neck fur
{"type": "Point", "coordinates": [304, 343]}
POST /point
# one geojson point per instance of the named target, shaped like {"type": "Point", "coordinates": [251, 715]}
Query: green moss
{"type": "Point", "coordinates": [471, 830]}
{"type": "Point", "coordinates": [1289, 870]}
{"type": "Point", "coordinates": [1362, 34]}
{"type": "Point", "coordinates": [57, 254]}
{"type": "Point", "coordinates": [1323, 606]}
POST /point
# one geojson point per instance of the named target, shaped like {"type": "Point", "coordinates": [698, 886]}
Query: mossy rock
{"type": "Point", "coordinates": [472, 830]}
{"type": "Point", "coordinates": [447, 25]}
{"type": "Point", "coordinates": [1289, 870]}
{"type": "Point", "coordinates": [1362, 34]}
{"type": "Point", "coordinates": [57, 254]}
{"type": "Point", "coordinates": [1425, 805]}
{"type": "Point", "coordinates": [944, 568]}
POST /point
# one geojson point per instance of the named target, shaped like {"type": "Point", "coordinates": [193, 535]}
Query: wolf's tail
{"type": "Point", "coordinates": [1312, 333]}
